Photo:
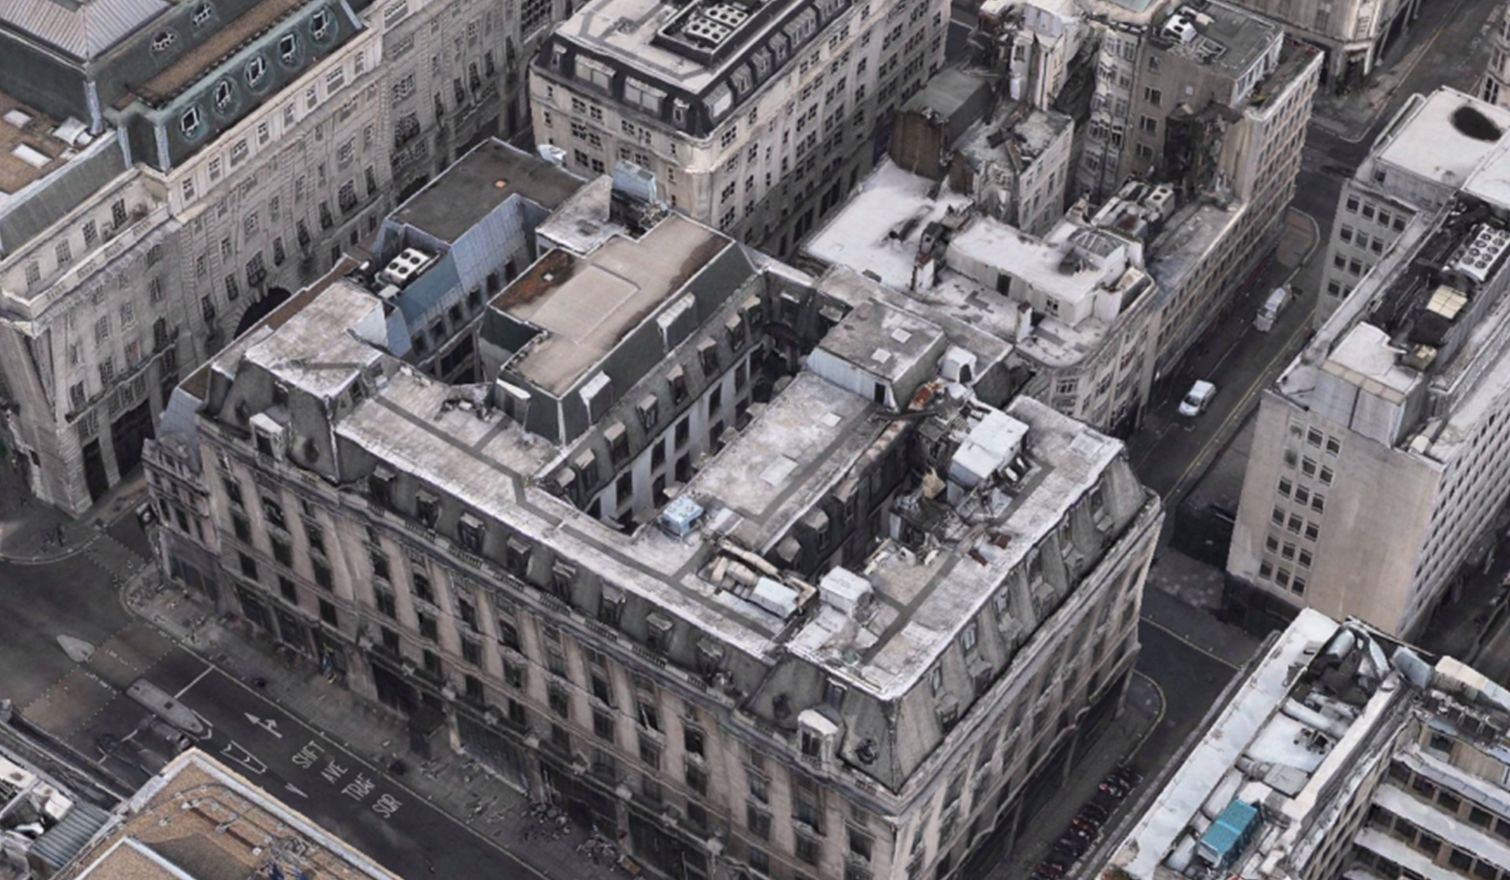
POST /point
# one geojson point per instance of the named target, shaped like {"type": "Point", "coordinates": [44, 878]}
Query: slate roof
{"type": "Point", "coordinates": [84, 30]}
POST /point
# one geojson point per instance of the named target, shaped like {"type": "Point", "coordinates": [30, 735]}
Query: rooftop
{"type": "Point", "coordinates": [32, 145]}
{"type": "Point", "coordinates": [314, 347]}
{"type": "Point", "coordinates": [83, 29]}
{"type": "Point", "coordinates": [1217, 35]}
{"type": "Point", "coordinates": [1299, 742]}
{"type": "Point", "coordinates": [197, 820]}
{"type": "Point", "coordinates": [884, 341]}
{"type": "Point", "coordinates": [1445, 138]}
{"type": "Point", "coordinates": [480, 181]}
{"type": "Point", "coordinates": [893, 215]}
{"type": "Point", "coordinates": [786, 458]}
{"type": "Point", "coordinates": [583, 306]}
{"type": "Point", "coordinates": [692, 45]}
{"type": "Point", "coordinates": [227, 39]}
{"type": "Point", "coordinates": [924, 600]}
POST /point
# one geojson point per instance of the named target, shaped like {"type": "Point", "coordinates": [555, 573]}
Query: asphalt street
{"type": "Point", "coordinates": [87, 705]}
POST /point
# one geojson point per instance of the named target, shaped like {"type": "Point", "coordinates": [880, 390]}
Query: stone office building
{"type": "Point", "coordinates": [172, 171]}
{"type": "Point", "coordinates": [755, 120]}
{"type": "Point", "coordinates": [765, 575]}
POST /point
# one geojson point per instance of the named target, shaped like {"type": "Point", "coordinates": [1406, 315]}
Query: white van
{"type": "Point", "coordinates": [1197, 399]}
{"type": "Point", "coordinates": [1268, 313]}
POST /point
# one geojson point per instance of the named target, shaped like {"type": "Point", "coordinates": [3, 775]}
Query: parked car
{"type": "Point", "coordinates": [1197, 399]}
{"type": "Point", "coordinates": [1268, 313]}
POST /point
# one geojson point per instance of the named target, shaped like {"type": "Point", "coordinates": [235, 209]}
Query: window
{"type": "Point", "coordinates": [189, 122]}
{"type": "Point", "coordinates": [256, 71]}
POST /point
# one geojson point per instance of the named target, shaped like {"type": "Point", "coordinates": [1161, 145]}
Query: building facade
{"type": "Point", "coordinates": [1497, 72]}
{"type": "Point", "coordinates": [586, 564]}
{"type": "Point", "coordinates": [755, 122]}
{"type": "Point", "coordinates": [1344, 753]}
{"type": "Point", "coordinates": [1389, 421]}
{"type": "Point", "coordinates": [185, 167]}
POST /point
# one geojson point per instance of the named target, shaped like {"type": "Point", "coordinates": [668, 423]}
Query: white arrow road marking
{"type": "Point", "coordinates": [266, 724]}
{"type": "Point", "coordinates": [293, 788]}
{"type": "Point", "coordinates": [240, 755]}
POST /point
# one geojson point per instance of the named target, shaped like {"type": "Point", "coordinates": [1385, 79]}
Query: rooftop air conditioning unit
{"type": "Point", "coordinates": [1180, 29]}
{"type": "Point", "coordinates": [405, 267]}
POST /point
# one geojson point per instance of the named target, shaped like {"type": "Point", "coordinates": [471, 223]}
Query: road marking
{"type": "Point", "coordinates": [266, 724]}
{"type": "Point", "coordinates": [207, 671]}
{"type": "Point", "coordinates": [239, 753]}
{"type": "Point", "coordinates": [1188, 643]}
{"type": "Point", "coordinates": [294, 789]}
{"type": "Point", "coordinates": [396, 783]}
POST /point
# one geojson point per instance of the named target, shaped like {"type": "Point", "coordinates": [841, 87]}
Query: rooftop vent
{"type": "Point", "coordinates": [1478, 257]}
{"type": "Point", "coordinates": [405, 267]}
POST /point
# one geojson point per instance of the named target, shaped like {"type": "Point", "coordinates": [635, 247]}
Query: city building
{"type": "Point", "coordinates": [1166, 85]}
{"type": "Point", "coordinates": [1340, 753]}
{"type": "Point", "coordinates": [172, 171]}
{"type": "Point", "coordinates": [451, 246]}
{"type": "Point", "coordinates": [1096, 307]}
{"type": "Point", "coordinates": [1388, 423]}
{"type": "Point", "coordinates": [753, 571]}
{"type": "Point", "coordinates": [1415, 165]}
{"type": "Point", "coordinates": [456, 74]}
{"type": "Point", "coordinates": [1497, 71]}
{"type": "Point", "coordinates": [199, 820]}
{"type": "Point", "coordinates": [1073, 307]}
{"type": "Point", "coordinates": [51, 807]}
{"type": "Point", "coordinates": [1040, 46]}
{"type": "Point", "coordinates": [1011, 157]}
{"type": "Point", "coordinates": [755, 119]}
{"type": "Point", "coordinates": [1354, 34]}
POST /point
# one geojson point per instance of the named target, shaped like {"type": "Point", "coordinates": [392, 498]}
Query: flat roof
{"type": "Point", "coordinates": [1228, 39]}
{"type": "Point", "coordinates": [626, 30]}
{"type": "Point", "coordinates": [29, 146]}
{"type": "Point", "coordinates": [882, 340]}
{"type": "Point", "coordinates": [787, 458]}
{"type": "Point", "coordinates": [585, 305]}
{"type": "Point", "coordinates": [198, 819]}
{"type": "Point", "coordinates": [313, 348]}
{"type": "Point", "coordinates": [479, 182]}
{"type": "Point", "coordinates": [1445, 138]}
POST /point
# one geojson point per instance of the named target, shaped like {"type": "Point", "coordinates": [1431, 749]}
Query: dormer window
{"type": "Point", "coordinates": [202, 14]}
{"type": "Point", "coordinates": [223, 95]}
{"type": "Point", "coordinates": [164, 41]}
{"type": "Point", "coordinates": [190, 122]}
{"type": "Point", "coordinates": [256, 71]}
{"type": "Point", "coordinates": [288, 49]}
{"type": "Point", "coordinates": [321, 24]}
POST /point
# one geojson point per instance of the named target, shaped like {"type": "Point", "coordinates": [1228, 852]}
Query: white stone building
{"type": "Point", "coordinates": [757, 121]}
{"type": "Point", "coordinates": [806, 664]}
{"type": "Point", "coordinates": [184, 166]}
{"type": "Point", "coordinates": [1390, 422]}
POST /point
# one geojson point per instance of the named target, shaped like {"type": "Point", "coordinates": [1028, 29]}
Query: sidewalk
{"type": "Point", "coordinates": [33, 533]}
{"type": "Point", "coordinates": [1350, 116]}
{"type": "Point", "coordinates": [458, 785]}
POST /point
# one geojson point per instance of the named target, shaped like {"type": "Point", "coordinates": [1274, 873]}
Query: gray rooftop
{"type": "Point", "coordinates": [480, 181]}
{"type": "Point", "coordinates": [82, 29]}
{"type": "Point", "coordinates": [583, 306]}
